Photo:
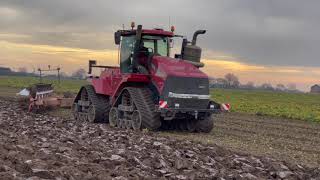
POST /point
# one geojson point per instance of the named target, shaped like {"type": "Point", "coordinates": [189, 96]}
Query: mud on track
{"type": "Point", "coordinates": [44, 146]}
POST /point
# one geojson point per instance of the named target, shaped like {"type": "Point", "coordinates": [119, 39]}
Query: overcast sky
{"type": "Point", "coordinates": [266, 33]}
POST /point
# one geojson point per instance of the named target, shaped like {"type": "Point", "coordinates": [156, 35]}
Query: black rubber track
{"type": "Point", "coordinates": [205, 125]}
{"type": "Point", "coordinates": [106, 105]}
{"type": "Point", "coordinates": [142, 98]}
{"type": "Point", "coordinates": [101, 104]}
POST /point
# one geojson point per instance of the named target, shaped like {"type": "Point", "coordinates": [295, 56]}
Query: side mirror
{"type": "Point", "coordinates": [117, 37]}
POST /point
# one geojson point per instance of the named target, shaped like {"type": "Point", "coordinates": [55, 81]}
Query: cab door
{"type": "Point", "coordinates": [126, 53]}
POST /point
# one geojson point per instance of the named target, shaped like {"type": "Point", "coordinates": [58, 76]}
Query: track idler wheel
{"type": "Point", "coordinates": [113, 117]}
{"type": "Point", "coordinates": [136, 120]}
{"type": "Point", "coordinates": [91, 115]}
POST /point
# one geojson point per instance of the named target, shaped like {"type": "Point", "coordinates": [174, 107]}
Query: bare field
{"type": "Point", "coordinates": [285, 147]}
{"type": "Point", "coordinates": [290, 140]}
{"type": "Point", "coordinates": [42, 146]}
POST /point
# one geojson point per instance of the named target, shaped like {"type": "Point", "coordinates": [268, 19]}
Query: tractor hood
{"type": "Point", "coordinates": [166, 66]}
{"type": "Point", "coordinates": [178, 76]}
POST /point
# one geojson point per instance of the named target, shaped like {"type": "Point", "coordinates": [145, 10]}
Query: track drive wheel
{"type": "Point", "coordinates": [205, 125]}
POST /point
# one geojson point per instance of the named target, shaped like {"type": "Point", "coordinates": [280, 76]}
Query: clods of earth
{"type": "Point", "coordinates": [40, 146]}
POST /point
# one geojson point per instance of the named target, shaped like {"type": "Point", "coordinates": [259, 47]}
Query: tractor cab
{"type": "Point", "coordinates": [137, 47]}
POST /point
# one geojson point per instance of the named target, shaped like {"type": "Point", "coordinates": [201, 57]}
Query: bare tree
{"type": "Point", "coordinates": [232, 80]}
{"type": "Point", "coordinates": [212, 81]}
{"type": "Point", "coordinates": [221, 83]}
{"type": "Point", "coordinates": [280, 87]}
{"type": "Point", "coordinates": [249, 85]}
{"type": "Point", "coordinates": [292, 87]}
{"type": "Point", "coordinates": [22, 70]}
{"type": "Point", "coordinates": [63, 74]}
{"type": "Point", "coordinates": [267, 86]}
{"type": "Point", "coordinates": [80, 73]}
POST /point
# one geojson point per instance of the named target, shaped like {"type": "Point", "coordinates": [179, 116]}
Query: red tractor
{"type": "Point", "coordinates": [150, 89]}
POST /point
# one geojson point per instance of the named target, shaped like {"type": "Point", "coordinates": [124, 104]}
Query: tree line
{"type": "Point", "coordinates": [22, 71]}
{"type": "Point", "coordinates": [231, 81]}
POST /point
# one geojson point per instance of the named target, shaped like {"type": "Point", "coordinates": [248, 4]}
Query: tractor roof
{"type": "Point", "coordinates": [157, 32]}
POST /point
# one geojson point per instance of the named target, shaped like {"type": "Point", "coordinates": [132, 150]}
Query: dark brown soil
{"type": "Point", "coordinates": [38, 146]}
{"type": "Point", "coordinates": [294, 141]}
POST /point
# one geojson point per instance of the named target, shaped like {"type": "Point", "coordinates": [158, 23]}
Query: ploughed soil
{"type": "Point", "coordinates": [290, 140]}
{"type": "Point", "coordinates": [43, 146]}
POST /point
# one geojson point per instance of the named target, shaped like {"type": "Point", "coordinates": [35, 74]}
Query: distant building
{"type": "Point", "coordinates": [5, 71]}
{"type": "Point", "coordinates": [315, 89]}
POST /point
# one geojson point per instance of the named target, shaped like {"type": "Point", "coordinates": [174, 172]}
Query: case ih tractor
{"type": "Point", "coordinates": [150, 89]}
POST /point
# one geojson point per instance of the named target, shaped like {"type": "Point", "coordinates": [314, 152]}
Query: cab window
{"type": "Point", "coordinates": [126, 56]}
{"type": "Point", "coordinates": [157, 44]}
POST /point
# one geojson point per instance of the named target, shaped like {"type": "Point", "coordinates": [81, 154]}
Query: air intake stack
{"type": "Point", "coordinates": [190, 51]}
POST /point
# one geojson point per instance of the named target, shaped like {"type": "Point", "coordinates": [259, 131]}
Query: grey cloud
{"type": "Point", "coordinates": [269, 32]}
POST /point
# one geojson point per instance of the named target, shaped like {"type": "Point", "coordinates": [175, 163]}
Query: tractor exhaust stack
{"type": "Point", "coordinates": [195, 36]}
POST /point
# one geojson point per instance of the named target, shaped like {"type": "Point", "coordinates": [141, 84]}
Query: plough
{"type": "Point", "coordinates": [41, 96]}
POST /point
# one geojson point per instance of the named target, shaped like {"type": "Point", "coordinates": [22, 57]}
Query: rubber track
{"type": "Point", "coordinates": [142, 98]}
{"type": "Point", "coordinates": [100, 103]}
{"type": "Point", "coordinates": [106, 105]}
{"type": "Point", "coordinates": [205, 125]}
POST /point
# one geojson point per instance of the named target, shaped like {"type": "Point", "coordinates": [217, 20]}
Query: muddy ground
{"type": "Point", "coordinates": [290, 140]}
{"type": "Point", "coordinates": [36, 146]}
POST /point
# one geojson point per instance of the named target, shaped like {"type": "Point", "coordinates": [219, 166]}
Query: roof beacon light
{"type": "Point", "coordinates": [133, 25]}
{"type": "Point", "coordinates": [172, 28]}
